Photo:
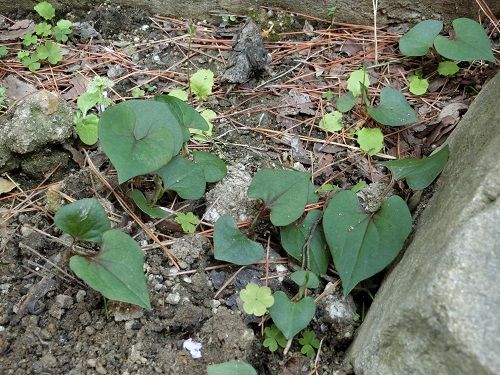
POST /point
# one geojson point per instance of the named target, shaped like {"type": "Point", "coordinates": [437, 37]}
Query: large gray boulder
{"type": "Point", "coordinates": [438, 311]}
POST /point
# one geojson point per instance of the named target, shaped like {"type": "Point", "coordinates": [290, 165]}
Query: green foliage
{"type": "Point", "coordinates": [420, 38]}
{"type": "Point", "coordinates": [45, 10]}
{"type": "Point", "coordinates": [309, 342]}
{"type": "Point", "coordinates": [86, 128]}
{"type": "Point", "coordinates": [327, 95]}
{"type": "Point", "coordinates": [370, 140]}
{"type": "Point", "coordinates": [418, 85]}
{"type": "Point", "coordinates": [291, 317]}
{"type": "Point", "coordinates": [179, 94]}
{"type": "Point", "coordinates": [358, 82]}
{"type": "Point", "coordinates": [256, 299]}
{"type": "Point", "coordinates": [363, 244]}
{"type": "Point", "coordinates": [284, 192]}
{"type": "Point", "coordinates": [360, 185]}
{"type": "Point", "coordinates": [326, 188]}
{"type": "Point", "coordinates": [184, 177]}
{"type": "Point", "coordinates": [294, 237]}
{"type": "Point", "coordinates": [116, 272]}
{"type": "Point", "coordinates": [331, 11]}
{"type": "Point", "coordinates": [213, 167]}
{"type": "Point", "coordinates": [230, 245]}
{"type": "Point", "coordinates": [204, 135]}
{"type": "Point", "coordinates": [469, 42]}
{"type": "Point", "coordinates": [307, 279]}
{"type": "Point", "coordinates": [188, 221]}
{"type": "Point", "coordinates": [137, 92]}
{"type": "Point", "coordinates": [393, 109]}
{"type": "Point", "coordinates": [331, 122]}
{"type": "Point", "coordinates": [43, 29]}
{"type": "Point", "coordinates": [274, 338]}
{"type": "Point", "coordinates": [4, 51]}
{"type": "Point", "coordinates": [62, 30]}
{"type": "Point", "coordinates": [201, 83]}
{"type": "Point", "coordinates": [3, 90]}
{"type": "Point", "coordinates": [231, 368]}
{"type": "Point", "coordinates": [143, 204]}
{"type": "Point", "coordinates": [49, 51]}
{"type": "Point", "coordinates": [85, 220]}
{"type": "Point", "coordinates": [29, 39]}
{"type": "Point", "coordinates": [345, 102]}
{"type": "Point", "coordinates": [29, 60]}
{"type": "Point", "coordinates": [447, 68]}
{"type": "Point", "coordinates": [419, 173]}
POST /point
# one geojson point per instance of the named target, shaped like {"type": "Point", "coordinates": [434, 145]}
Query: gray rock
{"type": "Point", "coordinates": [438, 310]}
{"type": "Point", "coordinates": [339, 314]}
{"type": "Point", "coordinates": [189, 248]}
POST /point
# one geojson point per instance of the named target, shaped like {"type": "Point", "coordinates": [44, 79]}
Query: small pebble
{"type": "Point", "coordinates": [173, 298]}
{"type": "Point", "coordinates": [80, 295]}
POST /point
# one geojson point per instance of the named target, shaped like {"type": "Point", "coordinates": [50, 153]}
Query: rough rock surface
{"type": "Point", "coordinates": [38, 120]}
{"type": "Point", "coordinates": [438, 310]}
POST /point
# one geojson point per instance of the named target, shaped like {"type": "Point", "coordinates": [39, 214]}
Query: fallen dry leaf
{"type": "Point", "coordinates": [17, 30]}
{"type": "Point", "coordinates": [17, 88]}
{"type": "Point", "coordinates": [6, 185]}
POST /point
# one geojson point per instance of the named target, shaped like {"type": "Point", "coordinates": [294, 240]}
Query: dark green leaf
{"type": "Point", "coordinates": [345, 102]}
{"type": "Point", "coordinates": [230, 245]}
{"type": "Point", "coordinates": [291, 317]}
{"type": "Point", "coordinates": [468, 43]}
{"type": "Point", "coordinates": [141, 202]}
{"type": "Point", "coordinates": [139, 137]}
{"type": "Point", "coordinates": [285, 192]}
{"type": "Point", "coordinates": [184, 177]}
{"type": "Point", "coordinates": [419, 39]}
{"type": "Point", "coordinates": [419, 173]}
{"type": "Point", "coordinates": [214, 168]}
{"type": "Point", "coordinates": [231, 368]}
{"type": "Point", "coordinates": [393, 110]}
{"type": "Point", "coordinates": [84, 219]}
{"type": "Point", "coordinates": [363, 244]}
{"type": "Point", "coordinates": [293, 238]}
{"type": "Point", "coordinates": [117, 271]}
{"type": "Point", "coordinates": [305, 278]}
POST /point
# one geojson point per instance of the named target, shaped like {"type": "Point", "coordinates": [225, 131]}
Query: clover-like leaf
{"type": "Point", "coordinates": [43, 29]}
{"type": "Point", "coordinates": [86, 128]}
{"type": "Point", "coordinates": [419, 39]}
{"type": "Point", "coordinates": [468, 42]}
{"type": "Point", "coordinates": [305, 278]}
{"type": "Point", "coordinates": [184, 177]}
{"type": "Point", "coordinates": [230, 245]}
{"type": "Point", "coordinates": [29, 39]}
{"type": "Point", "coordinates": [188, 221]}
{"type": "Point", "coordinates": [345, 102]}
{"type": "Point", "coordinates": [447, 68]}
{"type": "Point", "coordinates": [370, 140]}
{"type": "Point", "coordinates": [117, 271]}
{"type": "Point", "coordinates": [139, 137]}
{"type": "Point", "coordinates": [363, 244]}
{"type": "Point", "coordinates": [285, 193]}
{"type": "Point", "coordinates": [393, 109]}
{"type": "Point", "coordinates": [201, 83]}
{"type": "Point", "coordinates": [256, 299]}
{"type": "Point", "coordinates": [143, 204]}
{"type": "Point", "coordinates": [358, 82]}
{"type": "Point", "coordinates": [49, 51]}
{"type": "Point", "coordinates": [214, 168]}
{"type": "Point", "coordinates": [274, 338]}
{"type": "Point", "coordinates": [309, 342]}
{"type": "Point", "coordinates": [231, 368]}
{"type": "Point", "coordinates": [45, 10]}
{"type": "Point", "coordinates": [84, 219]}
{"type": "Point", "coordinates": [419, 173]}
{"type": "Point", "coordinates": [291, 317]}
{"type": "Point", "coordinates": [418, 85]}
{"type": "Point", "coordinates": [62, 30]}
{"type": "Point", "coordinates": [331, 122]}
{"type": "Point", "coordinates": [295, 235]}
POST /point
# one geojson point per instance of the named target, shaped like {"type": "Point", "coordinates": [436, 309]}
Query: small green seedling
{"type": "Point", "coordinates": [360, 185]}
{"type": "Point", "coordinates": [4, 51]}
{"type": "Point", "coordinates": [256, 299]}
{"type": "Point", "coordinates": [309, 342]}
{"type": "Point", "coordinates": [358, 82]}
{"type": "Point", "coordinates": [331, 122]}
{"type": "Point", "coordinates": [327, 95]}
{"type": "Point", "coordinates": [370, 140]}
{"type": "Point", "coordinates": [274, 338]}
{"type": "Point", "coordinates": [201, 83]}
{"type": "Point", "coordinates": [188, 221]}
{"type": "Point", "coordinates": [447, 68]}
{"type": "Point", "coordinates": [45, 10]}
{"type": "Point", "coordinates": [418, 85]}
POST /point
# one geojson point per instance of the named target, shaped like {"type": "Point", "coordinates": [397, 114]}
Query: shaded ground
{"type": "Point", "coordinates": [66, 328]}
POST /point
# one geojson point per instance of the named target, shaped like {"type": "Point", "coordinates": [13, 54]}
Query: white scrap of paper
{"type": "Point", "coordinates": [193, 347]}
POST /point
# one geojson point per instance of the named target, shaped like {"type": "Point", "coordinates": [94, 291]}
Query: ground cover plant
{"type": "Point", "coordinates": [314, 139]}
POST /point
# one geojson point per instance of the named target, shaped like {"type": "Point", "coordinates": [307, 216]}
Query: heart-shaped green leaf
{"type": "Point", "coordinates": [84, 219]}
{"type": "Point", "coordinates": [214, 168]}
{"type": "Point", "coordinates": [139, 137]}
{"type": "Point", "coordinates": [184, 177]}
{"type": "Point", "coordinates": [419, 173]}
{"type": "Point", "coordinates": [419, 39]}
{"type": "Point", "coordinates": [305, 278]}
{"type": "Point", "coordinates": [116, 271]}
{"type": "Point", "coordinates": [393, 110]}
{"type": "Point", "coordinates": [370, 140]}
{"type": "Point", "coordinates": [187, 116]}
{"type": "Point", "coordinates": [230, 245]}
{"type": "Point", "coordinates": [469, 42]}
{"type": "Point", "coordinates": [294, 236]}
{"type": "Point", "coordinates": [291, 317]}
{"type": "Point", "coordinates": [231, 368]}
{"type": "Point", "coordinates": [345, 102]}
{"type": "Point", "coordinates": [285, 192]}
{"type": "Point", "coordinates": [141, 202]}
{"type": "Point", "coordinates": [363, 244]}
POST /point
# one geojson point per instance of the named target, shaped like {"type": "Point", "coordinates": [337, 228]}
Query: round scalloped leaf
{"type": "Point", "coordinates": [291, 317]}
{"type": "Point", "coordinates": [468, 42]}
{"type": "Point", "coordinates": [363, 244]}
{"type": "Point", "coordinates": [184, 177]}
{"type": "Point", "coordinates": [447, 68]}
{"type": "Point", "coordinates": [117, 271]}
{"type": "Point", "coordinates": [370, 140]}
{"type": "Point", "coordinates": [84, 219]}
{"type": "Point", "coordinates": [214, 168]}
{"type": "Point", "coordinates": [419, 39]}
{"type": "Point", "coordinates": [419, 173]}
{"type": "Point", "coordinates": [139, 137]}
{"type": "Point", "coordinates": [231, 368]}
{"type": "Point", "coordinates": [285, 193]}
{"type": "Point", "coordinates": [230, 245]}
{"type": "Point", "coordinates": [418, 85]}
{"type": "Point", "coordinates": [393, 109]}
